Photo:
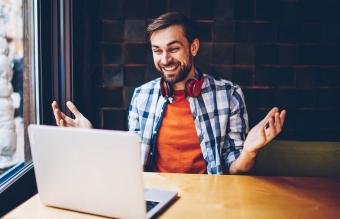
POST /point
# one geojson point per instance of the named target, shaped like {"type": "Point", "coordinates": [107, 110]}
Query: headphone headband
{"type": "Point", "coordinates": [192, 86]}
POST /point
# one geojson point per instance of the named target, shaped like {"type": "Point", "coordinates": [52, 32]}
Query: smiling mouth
{"type": "Point", "coordinates": [170, 67]}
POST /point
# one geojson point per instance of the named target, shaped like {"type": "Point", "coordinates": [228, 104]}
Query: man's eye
{"type": "Point", "coordinates": [173, 49]}
{"type": "Point", "coordinates": [157, 51]}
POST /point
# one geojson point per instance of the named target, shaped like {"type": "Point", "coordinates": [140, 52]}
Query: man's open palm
{"type": "Point", "coordinates": [62, 120]}
{"type": "Point", "coordinates": [265, 131]}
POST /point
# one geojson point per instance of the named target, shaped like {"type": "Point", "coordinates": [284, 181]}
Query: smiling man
{"type": "Point", "coordinates": [188, 121]}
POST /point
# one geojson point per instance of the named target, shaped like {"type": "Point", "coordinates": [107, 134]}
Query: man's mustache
{"type": "Point", "coordinates": [169, 64]}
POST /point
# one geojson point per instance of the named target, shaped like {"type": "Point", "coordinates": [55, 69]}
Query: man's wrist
{"type": "Point", "coordinates": [249, 153]}
{"type": "Point", "coordinates": [244, 162]}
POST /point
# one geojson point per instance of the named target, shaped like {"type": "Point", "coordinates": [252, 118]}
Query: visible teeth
{"type": "Point", "coordinates": [170, 68]}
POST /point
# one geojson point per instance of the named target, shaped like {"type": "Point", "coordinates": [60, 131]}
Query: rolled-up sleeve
{"type": "Point", "coordinates": [237, 128]}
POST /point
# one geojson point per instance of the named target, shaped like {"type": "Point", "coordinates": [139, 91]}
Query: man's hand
{"type": "Point", "coordinates": [264, 131]}
{"type": "Point", "coordinates": [257, 138]}
{"type": "Point", "coordinates": [62, 120]}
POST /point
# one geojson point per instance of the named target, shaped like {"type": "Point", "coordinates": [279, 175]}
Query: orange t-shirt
{"type": "Point", "coordinates": [178, 148]}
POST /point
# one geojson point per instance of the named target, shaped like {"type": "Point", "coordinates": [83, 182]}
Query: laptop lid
{"type": "Point", "coordinates": [89, 170]}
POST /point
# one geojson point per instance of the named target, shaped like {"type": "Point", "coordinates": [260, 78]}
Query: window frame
{"type": "Point", "coordinates": [18, 183]}
{"type": "Point", "coordinates": [48, 67]}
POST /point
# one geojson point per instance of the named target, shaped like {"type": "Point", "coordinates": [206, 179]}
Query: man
{"type": "Point", "coordinates": [188, 121]}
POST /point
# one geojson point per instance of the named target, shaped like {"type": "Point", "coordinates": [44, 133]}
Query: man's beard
{"type": "Point", "coordinates": [182, 74]}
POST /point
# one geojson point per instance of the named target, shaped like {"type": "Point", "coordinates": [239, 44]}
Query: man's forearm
{"type": "Point", "coordinates": [243, 163]}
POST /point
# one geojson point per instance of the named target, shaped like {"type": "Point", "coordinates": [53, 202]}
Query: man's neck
{"type": "Point", "coordinates": [181, 85]}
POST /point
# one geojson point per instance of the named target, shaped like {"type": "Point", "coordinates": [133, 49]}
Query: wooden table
{"type": "Point", "coordinates": [206, 196]}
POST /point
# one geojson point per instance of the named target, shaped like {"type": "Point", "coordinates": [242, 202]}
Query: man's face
{"type": "Point", "coordinates": [171, 53]}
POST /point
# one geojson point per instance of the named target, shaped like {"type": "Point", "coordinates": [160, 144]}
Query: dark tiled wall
{"type": "Point", "coordinates": [283, 53]}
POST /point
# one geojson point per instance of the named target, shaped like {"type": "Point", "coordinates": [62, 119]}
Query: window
{"type": "Point", "coordinates": [12, 143]}
{"type": "Point", "coordinates": [48, 66]}
{"type": "Point", "coordinates": [18, 97]}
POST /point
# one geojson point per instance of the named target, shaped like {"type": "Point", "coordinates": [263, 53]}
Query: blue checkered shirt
{"type": "Point", "coordinates": [220, 118]}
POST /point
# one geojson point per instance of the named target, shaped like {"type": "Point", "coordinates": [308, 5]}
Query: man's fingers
{"type": "Point", "coordinates": [57, 116]}
{"type": "Point", "coordinates": [55, 105]}
{"type": "Point", "coordinates": [263, 134]}
{"type": "Point", "coordinates": [73, 108]}
{"type": "Point", "coordinates": [272, 129]}
{"type": "Point", "coordinates": [283, 116]}
{"type": "Point", "coordinates": [69, 122]}
{"type": "Point", "coordinates": [55, 109]}
{"type": "Point", "coordinates": [63, 120]}
{"type": "Point", "coordinates": [272, 112]}
{"type": "Point", "coordinates": [269, 115]}
{"type": "Point", "coordinates": [278, 123]}
{"type": "Point", "coordinates": [279, 120]}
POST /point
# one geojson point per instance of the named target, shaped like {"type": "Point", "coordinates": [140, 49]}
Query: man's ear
{"type": "Point", "coordinates": [195, 45]}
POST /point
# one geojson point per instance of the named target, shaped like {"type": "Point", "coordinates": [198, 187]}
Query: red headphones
{"type": "Point", "coordinates": [192, 86]}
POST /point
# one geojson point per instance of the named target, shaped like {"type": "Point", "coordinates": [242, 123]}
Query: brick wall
{"type": "Point", "coordinates": [283, 53]}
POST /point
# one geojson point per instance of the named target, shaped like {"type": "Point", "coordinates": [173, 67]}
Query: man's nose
{"type": "Point", "coordinates": [165, 59]}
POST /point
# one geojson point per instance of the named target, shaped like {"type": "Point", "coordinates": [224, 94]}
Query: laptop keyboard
{"type": "Point", "coordinates": [150, 205]}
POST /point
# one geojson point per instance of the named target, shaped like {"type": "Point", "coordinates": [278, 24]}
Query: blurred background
{"type": "Point", "coordinates": [283, 53]}
{"type": "Point", "coordinates": [11, 83]}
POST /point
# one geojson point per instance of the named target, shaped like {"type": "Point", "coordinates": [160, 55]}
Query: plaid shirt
{"type": "Point", "coordinates": [219, 114]}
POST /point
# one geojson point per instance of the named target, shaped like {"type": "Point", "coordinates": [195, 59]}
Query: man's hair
{"type": "Point", "coordinates": [173, 18]}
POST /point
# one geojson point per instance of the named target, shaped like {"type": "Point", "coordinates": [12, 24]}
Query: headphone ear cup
{"type": "Point", "coordinates": [166, 89]}
{"type": "Point", "coordinates": [193, 87]}
{"type": "Point", "coordinates": [163, 88]}
{"type": "Point", "coordinates": [188, 87]}
{"type": "Point", "coordinates": [196, 87]}
{"type": "Point", "coordinates": [170, 90]}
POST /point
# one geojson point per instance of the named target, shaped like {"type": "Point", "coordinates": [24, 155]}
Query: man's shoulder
{"type": "Point", "coordinates": [219, 83]}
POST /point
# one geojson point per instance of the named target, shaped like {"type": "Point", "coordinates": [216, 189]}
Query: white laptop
{"type": "Point", "coordinates": [93, 171]}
